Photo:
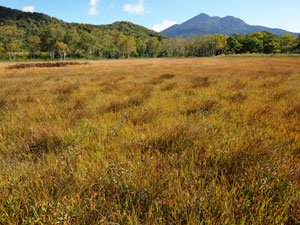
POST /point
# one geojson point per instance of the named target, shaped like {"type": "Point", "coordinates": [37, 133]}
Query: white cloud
{"type": "Point", "coordinates": [93, 7]}
{"type": "Point", "coordinates": [29, 8]}
{"type": "Point", "coordinates": [137, 8]}
{"type": "Point", "coordinates": [164, 25]}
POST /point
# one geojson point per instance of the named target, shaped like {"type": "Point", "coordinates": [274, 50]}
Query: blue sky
{"type": "Point", "coordinates": [159, 14]}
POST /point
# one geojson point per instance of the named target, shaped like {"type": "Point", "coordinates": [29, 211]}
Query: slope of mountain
{"type": "Point", "coordinates": [204, 24]}
{"type": "Point", "coordinates": [129, 28]}
{"type": "Point", "coordinates": [29, 22]}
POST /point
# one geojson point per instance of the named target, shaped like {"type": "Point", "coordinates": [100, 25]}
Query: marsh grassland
{"type": "Point", "coordinates": [156, 141]}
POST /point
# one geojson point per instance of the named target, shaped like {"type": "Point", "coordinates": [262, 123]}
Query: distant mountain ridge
{"type": "Point", "coordinates": [29, 22]}
{"type": "Point", "coordinates": [204, 24]}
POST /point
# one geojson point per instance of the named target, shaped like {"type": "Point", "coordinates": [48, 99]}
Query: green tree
{"type": "Point", "coordinates": [179, 46]}
{"type": "Point", "coordinates": [153, 47]}
{"type": "Point", "coordinates": [14, 47]}
{"type": "Point", "coordinates": [233, 45]}
{"type": "Point", "coordinates": [120, 42]}
{"type": "Point", "coordinates": [272, 47]}
{"type": "Point", "coordinates": [252, 44]}
{"type": "Point", "coordinates": [72, 40]}
{"type": "Point", "coordinates": [205, 46]}
{"type": "Point", "coordinates": [88, 42]}
{"type": "Point", "coordinates": [33, 44]}
{"type": "Point", "coordinates": [297, 48]}
{"type": "Point", "coordinates": [288, 42]}
{"type": "Point", "coordinates": [271, 43]}
{"type": "Point", "coordinates": [49, 36]}
{"type": "Point", "coordinates": [2, 50]}
{"type": "Point", "coordinates": [141, 47]}
{"type": "Point", "coordinates": [191, 45]}
{"type": "Point", "coordinates": [108, 46]}
{"type": "Point", "coordinates": [100, 45]}
{"type": "Point", "coordinates": [11, 37]}
{"type": "Point", "coordinates": [219, 42]}
{"type": "Point", "coordinates": [166, 48]}
{"type": "Point", "coordinates": [258, 35]}
{"type": "Point", "coordinates": [62, 49]}
{"type": "Point", "coordinates": [131, 46]}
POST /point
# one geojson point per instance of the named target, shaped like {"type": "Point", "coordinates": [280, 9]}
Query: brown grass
{"type": "Point", "coordinates": [166, 76]}
{"type": "Point", "coordinates": [200, 82]}
{"type": "Point", "coordinates": [156, 141]}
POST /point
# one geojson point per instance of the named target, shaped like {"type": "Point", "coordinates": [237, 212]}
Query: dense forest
{"type": "Point", "coordinates": [34, 35]}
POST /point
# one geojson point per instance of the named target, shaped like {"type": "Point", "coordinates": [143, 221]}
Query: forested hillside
{"type": "Point", "coordinates": [29, 22]}
{"type": "Point", "coordinates": [25, 20]}
{"type": "Point", "coordinates": [35, 35]}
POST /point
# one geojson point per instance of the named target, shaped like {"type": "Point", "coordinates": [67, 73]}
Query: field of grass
{"type": "Point", "coordinates": [157, 141]}
{"type": "Point", "coordinates": [258, 55]}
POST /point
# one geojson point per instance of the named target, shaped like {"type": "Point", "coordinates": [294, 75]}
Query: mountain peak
{"type": "Point", "coordinates": [232, 19]}
{"type": "Point", "coordinates": [229, 17]}
{"type": "Point", "coordinates": [205, 24]}
{"type": "Point", "coordinates": [203, 15]}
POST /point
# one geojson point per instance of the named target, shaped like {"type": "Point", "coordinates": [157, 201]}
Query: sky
{"type": "Point", "coordinates": [159, 14]}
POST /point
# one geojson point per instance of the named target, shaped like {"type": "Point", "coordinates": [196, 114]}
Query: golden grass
{"type": "Point", "coordinates": [156, 141]}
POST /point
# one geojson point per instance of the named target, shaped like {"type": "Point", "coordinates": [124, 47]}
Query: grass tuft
{"type": "Point", "coordinates": [199, 82]}
{"type": "Point", "coordinates": [203, 107]}
{"type": "Point", "coordinates": [293, 111]}
{"type": "Point", "coordinates": [169, 87]}
{"type": "Point", "coordinates": [238, 97]}
{"type": "Point", "coordinates": [166, 76]}
{"type": "Point", "coordinates": [42, 142]}
{"type": "Point", "coordinates": [170, 140]}
{"type": "Point", "coordinates": [3, 103]}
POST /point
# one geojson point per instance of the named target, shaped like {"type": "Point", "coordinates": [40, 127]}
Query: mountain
{"type": "Point", "coordinates": [204, 24]}
{"type": "Point", "coordinates": [30, 21]}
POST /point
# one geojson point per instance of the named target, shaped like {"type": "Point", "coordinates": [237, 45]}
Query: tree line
{"type": "Point", "coordinates": [56, 42]}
